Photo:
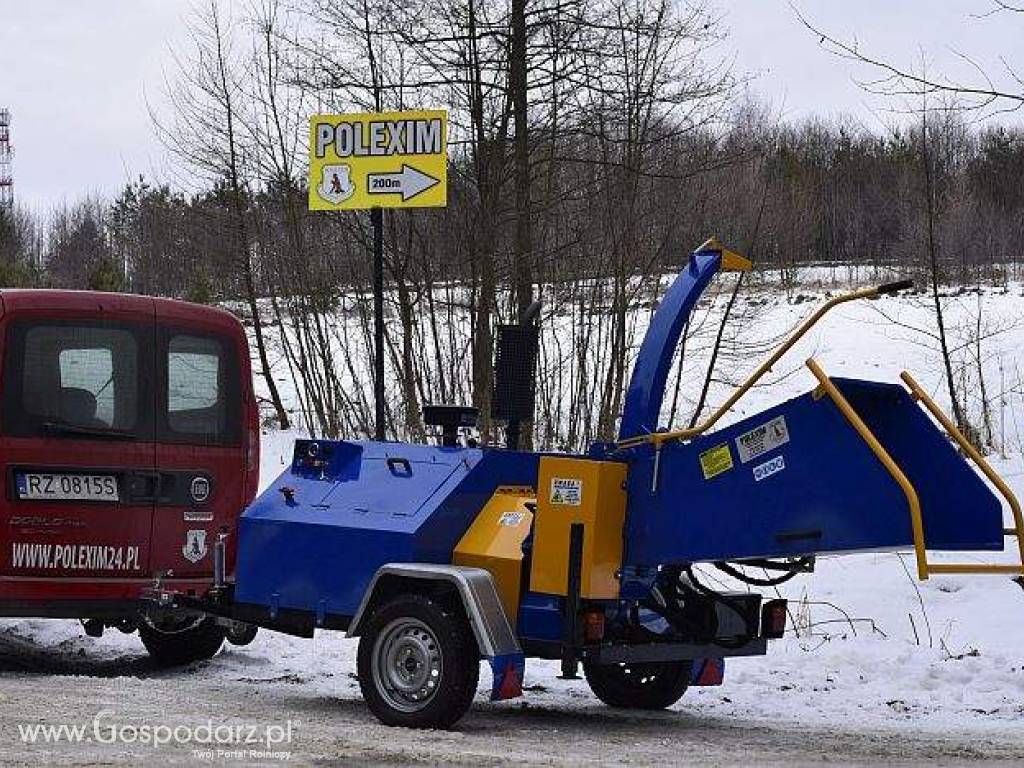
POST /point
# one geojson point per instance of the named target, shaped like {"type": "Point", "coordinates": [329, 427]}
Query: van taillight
{"type": "Point", "coordinates": [252, 449]}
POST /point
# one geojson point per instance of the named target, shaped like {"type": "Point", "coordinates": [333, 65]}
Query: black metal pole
{"type": "Point", "coordinates": [571, 618]}
{"type": "Point", "coordinates": [512, 434]}
{"type": "Point", "coordinates": [377, 222]}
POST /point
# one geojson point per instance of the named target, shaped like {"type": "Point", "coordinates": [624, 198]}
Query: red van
{"type": "Point", "coordinates": [129, 436]}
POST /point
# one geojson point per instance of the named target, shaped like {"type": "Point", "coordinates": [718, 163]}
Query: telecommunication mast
{"type": "Point", "coordinates": [6, 174]}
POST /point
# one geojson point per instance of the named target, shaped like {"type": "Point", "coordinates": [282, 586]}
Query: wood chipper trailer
{"type": "Point", "coordinates": [436, 556]}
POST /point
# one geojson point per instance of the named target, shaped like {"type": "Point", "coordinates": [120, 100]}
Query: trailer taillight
{"type": "Point", "coordinates": [773, 619]}
{"type": "Point", "coordinates": [593, 626]}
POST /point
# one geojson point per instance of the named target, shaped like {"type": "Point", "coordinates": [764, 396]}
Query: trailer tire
{"type": "Point", "coordinates": [418, 663]}
{"type": "Point", "coordinates": [175, 647]}
{"type": "Point", "coordinates": [639, 686]}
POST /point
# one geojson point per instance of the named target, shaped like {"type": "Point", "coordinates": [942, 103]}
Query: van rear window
{"type": "Point", "coordinates": [202, 391]}
{"type": "Point", "coordinates": [72, 380]}
{"type": "Point", "coordinates": [195, 401]}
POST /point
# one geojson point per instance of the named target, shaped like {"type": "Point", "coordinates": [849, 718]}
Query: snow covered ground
{"type": "Point", "coordinates": [874, 654]}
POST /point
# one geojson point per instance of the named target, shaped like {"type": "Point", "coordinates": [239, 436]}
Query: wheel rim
{"type": "Point", "coordinates": [407, 665]}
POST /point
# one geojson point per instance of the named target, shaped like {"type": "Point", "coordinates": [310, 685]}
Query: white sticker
{"type": "Point", "coordinates": [194, 548]}
{"type": "Point", "coordinates": [511, 519]}
{"type": "Point", "coordinates": [566, 490]}
{"type": "Point", "coordinates": [80, 557]}
{"type": "Point", "coordinates": [762, 439]}
{"type": "Point", "coordinates": [769, 468]}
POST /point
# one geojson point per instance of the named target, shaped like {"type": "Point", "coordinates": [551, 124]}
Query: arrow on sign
{"type": "Point", "coordinates": [408, 182]}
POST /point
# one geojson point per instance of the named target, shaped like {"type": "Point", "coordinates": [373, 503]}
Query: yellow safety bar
{"type": "Point", "coordinates": [965, 446]}
{"type": "Point", "coordinates": [659, 438]}
{"type": "Point", "coordinates": [924, 568]}
{"type": "Point", "coordinates": [913, 502]}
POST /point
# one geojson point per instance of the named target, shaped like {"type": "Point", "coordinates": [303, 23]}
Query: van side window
{"type": "Point", "coordinates": [83, 377]}
{"type": "Point", "coordinates": [200, 408]}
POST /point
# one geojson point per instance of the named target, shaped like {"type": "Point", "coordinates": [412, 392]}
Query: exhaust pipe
{"type": "Point", "coordinates": [219, 559]}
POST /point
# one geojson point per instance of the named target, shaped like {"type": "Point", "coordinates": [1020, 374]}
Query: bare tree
{"type": "Point", "coordinates": [204, 131]}
{"type": "Point", "coordinates": [981, 95]}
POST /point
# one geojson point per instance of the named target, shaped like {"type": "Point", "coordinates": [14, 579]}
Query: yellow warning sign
{"type": "Point", "coordinates": [715, 461]}
{"type": "Point", "coordinates": [378, 160]}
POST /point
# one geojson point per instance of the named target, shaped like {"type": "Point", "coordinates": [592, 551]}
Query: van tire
{"type": "Point", "coordinates": [241, 634]}
{"type": "Point", "coordinates": [175, 648]}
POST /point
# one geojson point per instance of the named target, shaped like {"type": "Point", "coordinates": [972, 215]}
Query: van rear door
{"type": "Point", "coordinates": [200, 453]}
{"type": "Point", "coordinates": [77, 440]}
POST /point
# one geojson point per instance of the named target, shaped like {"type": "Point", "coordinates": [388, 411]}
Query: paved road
{"type": "Point", "coordinates": [47, 688]}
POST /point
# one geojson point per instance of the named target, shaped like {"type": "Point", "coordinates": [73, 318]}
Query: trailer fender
{"type": "Point", "coordinates": [480, 600]}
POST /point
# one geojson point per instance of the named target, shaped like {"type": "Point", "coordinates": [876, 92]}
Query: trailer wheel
{"type": "Point", "coordinates": [639, 686]}
{"type": "Point", "coordinates": [182, 642]}
{"type": "Point", "coordinates": [418, 663]}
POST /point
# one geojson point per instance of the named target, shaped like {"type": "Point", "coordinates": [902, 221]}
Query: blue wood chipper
{"type": "Point", "coordinates": [436, 556]}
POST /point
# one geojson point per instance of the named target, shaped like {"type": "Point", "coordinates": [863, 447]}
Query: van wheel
{"type": "Point", "coordinates": [182, 642]}
{"type": "Point", "coordinates": [241, 634]}
{"type": "Point", "coordinates": [418, 663]}
{"type": "Point", "coordinates": [639, 686]}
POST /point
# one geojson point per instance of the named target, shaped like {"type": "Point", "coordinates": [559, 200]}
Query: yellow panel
{"type": "Point", "coordinates": [584, 491]}
{"type": "Point", "coordinates": [494, 542]}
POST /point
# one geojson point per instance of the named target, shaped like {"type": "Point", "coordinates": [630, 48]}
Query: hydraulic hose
{"type": "Point", "coordinates": [798, 566]}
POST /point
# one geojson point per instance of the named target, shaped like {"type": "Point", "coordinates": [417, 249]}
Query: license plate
{"type": "Point", "coordinates": [58, 486]}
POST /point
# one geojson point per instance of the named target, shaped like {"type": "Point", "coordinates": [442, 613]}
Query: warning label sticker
{"type": "Point", "coordinates": [566, 490]}
{"type": "Point", "coordinates": [715, 461]}
{"type": "Point", "coordinates": [762, 439]}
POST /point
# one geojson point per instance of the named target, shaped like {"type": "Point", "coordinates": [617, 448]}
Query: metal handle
{"type": "Point", "coordinates": [1018, 517]}
{"type": "Point", "coordinates": [398, 461]}
{"type": "Point", "coordinates": [900, 285]}
{"type": "Point", "coordinates": [924, 568]}
{"type": "Point", "coordinates": [862, 429]}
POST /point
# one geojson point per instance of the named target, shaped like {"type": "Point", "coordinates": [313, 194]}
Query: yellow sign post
{"type": "Point", "coordinates": [378, 160]}
{"type": "Point", "coordinates": [375, 161]}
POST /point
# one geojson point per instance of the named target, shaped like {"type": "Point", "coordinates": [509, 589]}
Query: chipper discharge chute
{"type": "Point", "coordinates": [436, 556]}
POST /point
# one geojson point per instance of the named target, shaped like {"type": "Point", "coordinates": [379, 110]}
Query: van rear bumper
{"type": "Point", "coordinates": [27, 597]}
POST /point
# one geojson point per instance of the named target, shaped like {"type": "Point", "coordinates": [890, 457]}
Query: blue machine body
{"type": "Point", "coordinates": [796, 479]}
{"type": "Point", "coordinates": [313, 540]}
{"type": "Point", "coordinates": [821, 490]}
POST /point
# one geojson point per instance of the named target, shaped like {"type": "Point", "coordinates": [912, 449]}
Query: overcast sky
{"type": "Point", "coordinates": [76, 74]}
